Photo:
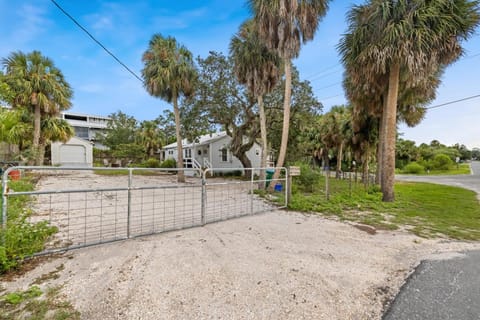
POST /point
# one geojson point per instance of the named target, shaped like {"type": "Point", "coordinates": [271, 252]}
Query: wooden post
{"type": "Point", "coordinates": [327, 187]}
{"type": "Point", "coordinates": [292, 172]}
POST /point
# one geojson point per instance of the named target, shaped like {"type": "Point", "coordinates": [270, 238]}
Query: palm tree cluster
{"type": "Point", "coordinates": [273, 37]}
{"type": "Point", "coordinates": [38, 92]}
{"type": "Point", "coordinates": [394, 53]}
{"type": "Point", "coordinates": [331, 137]}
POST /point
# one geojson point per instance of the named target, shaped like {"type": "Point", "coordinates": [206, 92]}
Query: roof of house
{"type": "Point", "coordinates": [202, 140]}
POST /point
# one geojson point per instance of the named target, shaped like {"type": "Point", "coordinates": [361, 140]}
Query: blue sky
{"type": "Point", "coordinates": [102, 86]}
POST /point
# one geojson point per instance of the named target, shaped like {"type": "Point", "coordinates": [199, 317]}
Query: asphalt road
{"type": "Point", "coordinates": [442, 289]}
{"type": "Point", "coordinates": [467, 181]}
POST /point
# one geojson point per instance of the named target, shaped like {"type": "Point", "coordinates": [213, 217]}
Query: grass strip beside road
{"type": "Point", "coordinates": [463, 168]}
{"type": "Point", "coordinates": [427, 210]}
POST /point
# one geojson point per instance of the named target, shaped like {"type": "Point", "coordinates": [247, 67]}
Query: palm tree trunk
{"type": "Point", "coordinates": [339, 161]}
{"type": "Point", "coordinates": [36, 135]}
{"type": "Point", "coordinates": [388, 168]}
{"type": "Point", "coordinates": [263, 135]}
{"type": "Point", "coordinates": [366, 159]}
{"type": "Point", "coordinates": [286, 121]}
{"type": "Point", "coordinates": [381, 145]}
{"type": "Point", "coordinates": [41, 154]}
{"type": "Point", "coordinates": [176, 111]}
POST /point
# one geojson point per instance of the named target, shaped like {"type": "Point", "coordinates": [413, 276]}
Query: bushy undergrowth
{"type": "Point", "coordinates": [413, 168]}
{"type": "Point", "coordinates": [151, 163]}
{"type": "Point", "coordinates": [21, 238]}
{"type": "Point", "coordinates": [169, 163]}
{"type": "Point", "coordinates": [442, 162]}
{"type": "Point", "coordinates": [307, 179]}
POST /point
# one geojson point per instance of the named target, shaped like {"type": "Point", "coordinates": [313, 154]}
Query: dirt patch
{"type": "Point", "coordinates": [278, 265]}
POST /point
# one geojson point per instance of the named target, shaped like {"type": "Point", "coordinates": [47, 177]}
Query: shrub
{"type": "Point", "coordinates": [427, 164]}
{"type": "Point", "coordinates": [21, 237]}
{"type": "Point", "coordinates": [442, 162]}
{"type": "Point", "coordinates": [152, 163]}
{"type": "Point", "coordinates": [169, 163]}
{"type": "Point", "coordinates": [308, 178]}
{"type": "Point", "coordinates": [413, 167]}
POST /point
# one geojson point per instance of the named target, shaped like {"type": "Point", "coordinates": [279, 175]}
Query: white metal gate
{"type": "Point", "coordinates": [93, 206]}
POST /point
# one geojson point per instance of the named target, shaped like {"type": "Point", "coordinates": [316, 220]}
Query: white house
{"type": "Point", "coordinates": [78, 151]}
{"type": "Point", "coordinates": [87, 126]}
{"type": "Point", "coordinates": [75, 152]}
{"type": "Point", "coordinates": [211, 151]}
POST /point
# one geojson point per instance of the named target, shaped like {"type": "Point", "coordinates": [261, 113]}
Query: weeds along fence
{"type": "Point", "coordinates": [330, 183]}
{"type": "Point", "coordinates": [89, 206]}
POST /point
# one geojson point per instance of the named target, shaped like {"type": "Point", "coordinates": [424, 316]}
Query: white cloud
{"type": "Point", "coordinates": [29, 23]}
{"type": "Point", "coordinates": [91, 88]}
{"type": "Point", "coordinates": [179, 20]}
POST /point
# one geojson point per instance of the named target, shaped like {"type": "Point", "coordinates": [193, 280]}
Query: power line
{"type": "Point", "coordinates": [321, 75]}
{"type": "Point", "coordinates": [454, 101]}
{"type": "Point", "coordinates": [322, 71]}
{"type": "Point", "coordinates": [324, 75]}
{"type": "Point", "coordinates": [94, 39]}
{"type": "Point", "coordinates": [331, 97]}
{"type": "Point", "coordinates": [328, 86]}
{"type": "Point", "coordinates": [471, 56]}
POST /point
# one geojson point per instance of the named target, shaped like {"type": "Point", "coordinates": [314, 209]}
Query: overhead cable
{"type": "Point", "coordinates": [97, 41]}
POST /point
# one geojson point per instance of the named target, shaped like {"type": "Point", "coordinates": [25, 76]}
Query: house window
{"type": "Point", "coordinates": [170, 151]}
{"type": "Point", "coordinates": [81, 132]}
{"type": "Point", "coordinates": [188, 153]}
{"type": "Point", "coordinates": [224, 154]}
{"type": "Point", "coordinates": [205, 151]}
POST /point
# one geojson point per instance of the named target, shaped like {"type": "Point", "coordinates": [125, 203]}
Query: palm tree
{"type": "Point", "coordinates": [392, 37]}
{"type": "Point", "coordinates": [150, 136]}
{"type": "Point", "coordinates": [38, 85]}
{"type": "Point", "coordinates": [169, 73]}
{"type": "Point", "coordinates": [336, 132]}
{"type": "Point", "coordinates": [13, 130]}
{"type": "Point", "coordinates": [54, 129]}
{"type": "Point", "coordinates": [258, 68]}
{"type": "Point", "coordinates": [284, 25]}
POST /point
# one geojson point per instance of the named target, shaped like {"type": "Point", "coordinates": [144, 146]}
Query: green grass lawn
{"type": "Point", "coordinates": [428, 210]}
{"type": "Point", "coordinates": [463, 168]}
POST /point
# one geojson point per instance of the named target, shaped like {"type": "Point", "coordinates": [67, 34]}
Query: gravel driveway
{"type": "Point", "coordinates": [277, 265]}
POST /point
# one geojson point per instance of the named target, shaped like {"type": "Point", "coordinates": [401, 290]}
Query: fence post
{"type": "Point", "coordinates": [289, 182]}
{"type": "Point", "coordinates": [252, 173]}
{"type": "Point", "coordinates": [350, 183]}
{"type": "Point", "coordinates": [129, 200]}
{"type": "Point", "coordinates": [4, 203]}
{"type": "Point", "coordinates": [204, 196]}
{"type": "Point", "coordinates": [327, 187]}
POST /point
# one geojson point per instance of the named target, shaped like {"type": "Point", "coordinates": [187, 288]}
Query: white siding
{"type": "Point", "coordinates": [212, 151]}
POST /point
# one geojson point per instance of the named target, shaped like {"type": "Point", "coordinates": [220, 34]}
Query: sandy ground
{"type": "Point", "coordinates": [276, 265]}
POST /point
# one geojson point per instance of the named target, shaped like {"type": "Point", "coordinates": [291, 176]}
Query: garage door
{"type": "Point", "coordinates": [73, 154]}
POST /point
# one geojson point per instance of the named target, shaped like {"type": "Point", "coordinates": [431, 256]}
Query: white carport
{"type": "Point", "coordinates": [75, 152]}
